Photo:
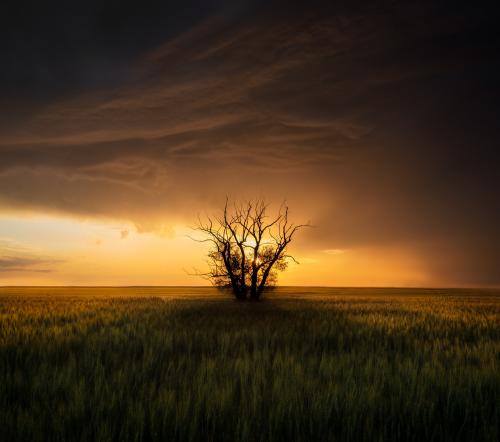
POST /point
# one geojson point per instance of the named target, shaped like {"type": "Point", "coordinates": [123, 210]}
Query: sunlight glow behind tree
{"type": "Point", "coordinates": [249, 247]}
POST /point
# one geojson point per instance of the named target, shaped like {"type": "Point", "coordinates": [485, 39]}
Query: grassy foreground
{"type": "Point", "coordinates": [304, 364]}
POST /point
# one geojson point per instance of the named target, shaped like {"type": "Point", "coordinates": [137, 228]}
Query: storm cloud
{"type": "Point", "coordinates": [377, 123]}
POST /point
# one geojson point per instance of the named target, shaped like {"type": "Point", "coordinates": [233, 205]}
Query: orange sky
{"type": "Point", "coordinates": [67, 251]}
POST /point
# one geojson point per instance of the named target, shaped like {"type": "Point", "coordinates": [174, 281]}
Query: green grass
{"type": "Point", "coordinates": [188, 364]}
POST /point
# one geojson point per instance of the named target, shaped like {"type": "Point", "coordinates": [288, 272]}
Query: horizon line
{"type": "Point", "coordinates": [277, 287]}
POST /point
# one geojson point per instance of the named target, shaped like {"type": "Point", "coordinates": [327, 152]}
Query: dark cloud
{"type": "Point", "coordinates": [379, 123]}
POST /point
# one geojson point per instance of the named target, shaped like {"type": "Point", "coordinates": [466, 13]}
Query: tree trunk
{"type": "Point", "coordinates": [255, 296]}
{"type": "Point", "coordinates": [239, 292]}
{"type": "Point", "coordinates": [253, 288]}
{"type": "Point", "coordinates": [240, 295]}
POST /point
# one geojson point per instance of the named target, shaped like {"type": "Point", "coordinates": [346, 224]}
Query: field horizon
{"type": "Point", "coordinates": [270, 289]}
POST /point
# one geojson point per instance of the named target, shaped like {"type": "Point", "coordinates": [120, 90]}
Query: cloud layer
{"type": "Point", "coordinates": [380, 130]}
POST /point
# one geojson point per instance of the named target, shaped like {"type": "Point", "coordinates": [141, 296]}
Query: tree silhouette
{"type": "Point", "coordinates": [249, 247]}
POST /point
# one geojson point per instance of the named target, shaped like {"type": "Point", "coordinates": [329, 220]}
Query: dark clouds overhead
{"type": "Point", "coordinates": [378, 122]}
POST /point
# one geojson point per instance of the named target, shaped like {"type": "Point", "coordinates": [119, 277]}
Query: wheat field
{"type": "Point", "coordinates": [144, 364]}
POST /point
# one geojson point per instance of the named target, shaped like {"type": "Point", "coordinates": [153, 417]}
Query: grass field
{"type": "Point", "coordinates": [140, 364]}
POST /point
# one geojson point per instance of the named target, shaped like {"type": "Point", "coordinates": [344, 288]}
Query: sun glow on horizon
{"type": "Point", "coordinates": [66, 251]}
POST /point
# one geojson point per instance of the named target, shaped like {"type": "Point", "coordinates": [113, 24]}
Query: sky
{"type": "Point", "coordinates": [377, 122]}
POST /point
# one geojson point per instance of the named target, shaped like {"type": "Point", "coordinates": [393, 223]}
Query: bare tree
{"type": "Point", "coordinates": [249, 247]}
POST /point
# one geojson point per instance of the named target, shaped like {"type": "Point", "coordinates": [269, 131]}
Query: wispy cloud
{"type": "Point", "coordinates": [198, 118]}
{"type": "Point", "coordinates": [334, 251]}
{"type": "Point", "coordinates": [16, 258]}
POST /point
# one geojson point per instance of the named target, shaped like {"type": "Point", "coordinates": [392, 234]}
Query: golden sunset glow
{"type": "Point", "coordinates": [68, 251]}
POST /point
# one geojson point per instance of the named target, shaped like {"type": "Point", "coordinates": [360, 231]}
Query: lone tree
{"type": "Point", "coordinates": [249, 247]}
